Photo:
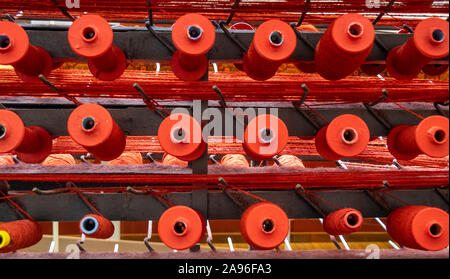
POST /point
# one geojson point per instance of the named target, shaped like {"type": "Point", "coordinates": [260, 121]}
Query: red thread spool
{"type": "Point", "coordinates": [264, 226]}
{"type": "Point", "coordinates": [181, 227]}
{"type": "Point", "coordinates": [93, 127]}
{"type": "Point", "coordinates": [180, 135]}
{"type": "Point", "coordinates": [265, 136]}
{"type": "Point", "coordinates": [344, 46]}
{"type": "Point", "coordinates": [241, 26]}
{"type": "Point", "coordinates": [29, 61]}
{"type": "Point", "coordinates": [419, 227]}
{"type": "Point", "coordinates": [346, 136]}
{"type": "Point", "coordinates": [59, 160]}
{"type": "Point", "coordinates": [430, 41]}
{"type": "Point", "coordinates": [342, 222]}
{"type": "Point", "coordinates": [430, 137]}
{"type": "Point", "coordinates": [435, 69]}
{"type": "Point", "coordinates": [273, 43]}
{"type": "Point", "coordinates": [96, 226]}
{"type": "Point", "coordinates": [31, 144]}
{"type": "Point", "coordinates": [306, 66]}
{"type": "Point", "coordinates": [193, 35]}
{"type": "Point", "coordinates": [91, 36]}
{"type": "Point", "coordinates": [18, 235]}
{"type": "Point", "coordinates": [127, 158]}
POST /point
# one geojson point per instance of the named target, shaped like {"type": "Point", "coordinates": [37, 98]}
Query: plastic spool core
{"type": "Point", "coordinates": [2, 131]}
{"type": "Point", "coordinates": [349, 135]}
{"type": "Point", "coordinates": [88, 224]}
{"type": "Point", "coordinates": [276, 38]}
{"type": "Point", "coordinates": [435, 230]}
{"type": "Point", "coordinates": [439, 136]}
{"type": "Point", "coordinates": [89, 34]}
{"type": "Point", "coordinates": [194, 32]}
{"type": "Point", "coordinates": [88, 124]}
{"type": "Point", "coordinates": [268, 226]}
{"type": "Point", "coordinates": [355, 30]}
{"type": "Point", "coordinates": [352, 219]}
{"type": "Point", "coordinates": [266, 135]}
{"type": "Point", "coordinates": [179, 228]}
{"type": "Point", "coordinates": [4, 42]}
{"type": "Point", "coordinates": [438, 36]}
{"type": "Point", "coordinates": [178, 135]}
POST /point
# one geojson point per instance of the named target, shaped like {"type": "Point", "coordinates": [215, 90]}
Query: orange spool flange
{"type": "Point", "coordinates": [59, 160]}
{"type": "Point", "coordinates": [180, 135]}
{"type": "Point", "coordinates": [31, 144]}
{"type": "Point", "coordinates": [29, 61]}
{"type": "Point", "coordinates": [241, 26]}
{"type": "Point", "coordinates": [265, 136]}
{"type": "Point", "coordinates": [181, 227]}
{"type": "Point", "coordinates": [96, 226]}
{"type": "Point", "coordinates": [92, 126]}
{"type": "Point", "coordinates": [419, 227]}
{"type": "Point", "coordinates": [430, 137]}
{"type": "Point", "coordinates": [344, 46]}
{"type": "Point", "coordinates": [430, 41]}
{"type": "Point", "coordinates": [435, 69]}
{"type": "Point", "coordinates": [306, 66]}
{"type": "Point", "coordinates": [346, 136]}
{"type": "Point", "coordinates": [193, 35]}
{"type": "Point", "coordinates": [342, 222]}
{"type": "Point", "coordinates": [264, 226]}
{"type": "Point", "coordinates": [20, 234]}
{"type": "Point", "coordinates": [273, 43]}
{"type": "Point", "coordinates": [91, 36]}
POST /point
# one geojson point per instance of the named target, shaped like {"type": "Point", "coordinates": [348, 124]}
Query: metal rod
{"type": "Point", "coordinates": [380, 15]}
{"type": "Point", "coordinates": [233, 11]}
{"type": "Point", "coordinates": [219, 93]}
{"type": "Point", "coordinates": [302, 17]}
{"type": "Point", "coordinates": [59, 91]}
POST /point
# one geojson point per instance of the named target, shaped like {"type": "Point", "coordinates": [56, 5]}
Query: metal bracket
{"type": "Point", "coordinates": [439, 110]}
{"type": "Point", "coordinates": [313, 202]}
{"type": "Point", "coordinates": [443, 192]}
{"type": "Point", "coordinates": [235, 197]}
{"type": "Point", "coordinates": [59, 91]}
{"type": "Point", "coordinates": [298, 104]}
{"type": "Point", "coordinates": [150, 103]}
{"type": "Point", "coordinates": [227, 33]}
{"type": "Point", "coordinates": [299, 35]}
{"type": "Point", "coordinates": [369, 106]}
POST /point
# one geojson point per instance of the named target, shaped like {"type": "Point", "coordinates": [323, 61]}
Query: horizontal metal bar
{"type": "Point", "coordinates": [136, 121]}
{"type": "Point", "coordinates": [138, 44]}
{"type": "Point", "coordinates": [266, 255]}
{"type": "Point", "coordinates": [131, 207]}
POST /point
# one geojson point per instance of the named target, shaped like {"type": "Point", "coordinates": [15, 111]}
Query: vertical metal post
{"type": "Point", "coordinates": [55, 226]}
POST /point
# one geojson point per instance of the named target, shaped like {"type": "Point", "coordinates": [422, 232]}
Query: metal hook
{"type": "Point", "coordinates": [227, 33]}
{"type": "Point", "coordinates": [297, 105]}
{"type": "Point", "coordinates": [438, 108]}
{"type": "Point", "coordinates": [302, 17]}
{"type": "Point", "coordinates": [80, 242]}
{"type": "Point", "coordinates": [233, 11]}
{"type": "Point", "coordinates": [64, 11]}
{"type": "Point", "coordinates": [150, 103]}
{"type": "Point", "coordinates": [209, 238]}
{"type": "Point", "coordinates": [49, 192]}
{"type": "Point", "coordinates": [221, 98]}
{"type": "Point", "coordinates": [150, 157]}
{"type": "Point", "coordinates": [213, 159]}
{"type": "Point", "coordinates": [59, 91]}
{"type": "Point", "coordinates": [299, 35]}
{"type": "Point", "coordinates": [380, 15]}
{"type": "Point", "coordinates": [164, 43]}
{"type": "Point", "coordinates": [149, 236]}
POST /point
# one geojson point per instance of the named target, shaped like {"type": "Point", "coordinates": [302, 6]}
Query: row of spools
{"type": "Point", "coordinates": [180, 135]}
{"type": "Point", "coordinates": [343, 48]}
{"type": "Point", "coordinates": [264, 226]}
